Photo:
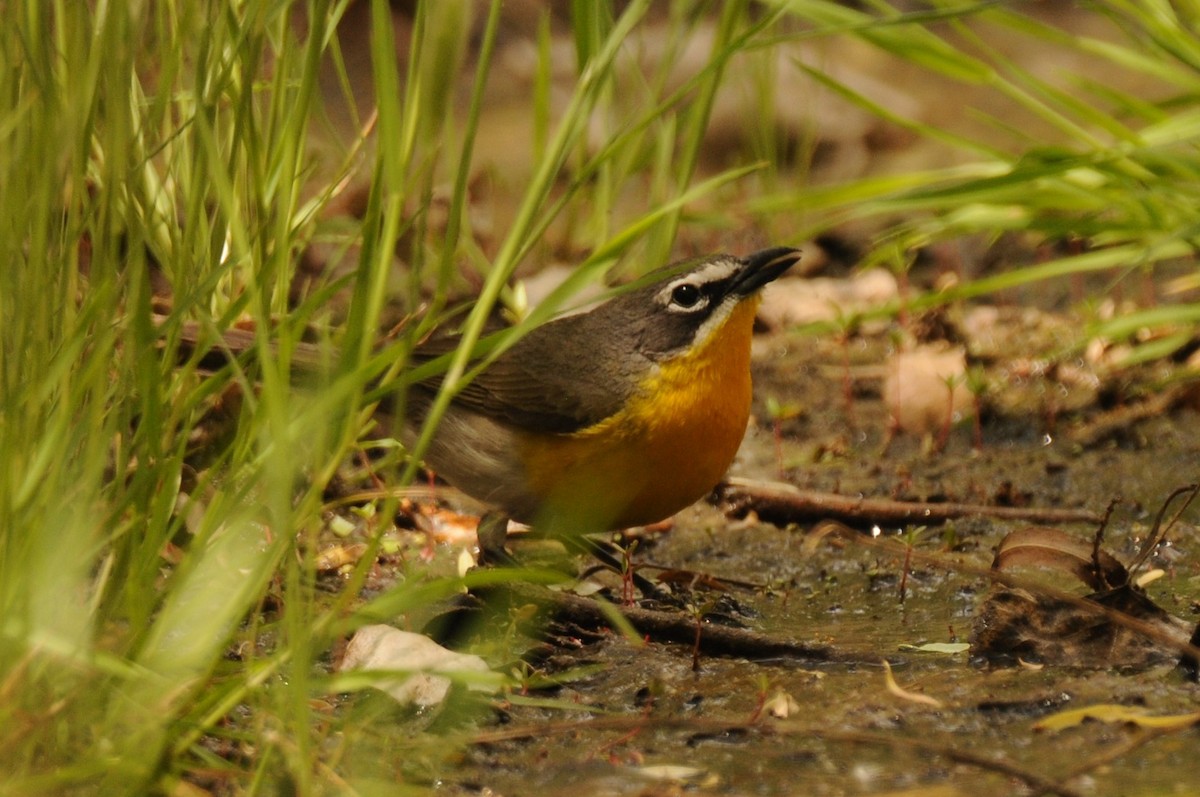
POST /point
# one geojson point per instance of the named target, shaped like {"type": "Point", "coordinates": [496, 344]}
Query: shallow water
{"type": "Point", "coordinates": [846, 733]}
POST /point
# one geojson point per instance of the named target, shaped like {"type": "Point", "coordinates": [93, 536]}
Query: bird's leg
{"type": "Point", "coordinates": [493, 533]}
{"type": "Point", "coordinates": [627, 572]}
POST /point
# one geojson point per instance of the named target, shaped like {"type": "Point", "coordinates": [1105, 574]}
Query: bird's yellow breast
{"type": "Point", "coordinates": [664, 450]}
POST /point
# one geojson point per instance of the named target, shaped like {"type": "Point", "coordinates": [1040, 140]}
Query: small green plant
{"type": "Point", "coordinates": [780, 411]}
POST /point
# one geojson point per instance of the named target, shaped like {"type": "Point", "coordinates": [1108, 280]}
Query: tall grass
{"type": "Point", "coordinates": [1076, 160]}
{"type": "Point", "coordinates": [143, 146]}
{"type": "Point", "coordinates": [159, 523]}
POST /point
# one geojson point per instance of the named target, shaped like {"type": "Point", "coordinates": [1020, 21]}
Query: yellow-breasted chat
{"type": "Point", "coordinates": [611, 418]}
{"type": "Point", "coordinates": [616, 417]}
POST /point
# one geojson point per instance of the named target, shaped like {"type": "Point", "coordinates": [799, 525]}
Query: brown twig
{"type": "Point", "coordinates": [781, 503]}
{"type": "Point", "coordinates": [1098, 544]}
{"type": "Point", "coordinates": [1159, 532]}
{"type": "Point", "coordinates": [1114, 421]}
{"type": "Point", "coordinates": [682, 627]}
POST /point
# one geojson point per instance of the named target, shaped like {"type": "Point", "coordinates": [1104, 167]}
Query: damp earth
{"type": "Point", "coordinates": [613, 711]}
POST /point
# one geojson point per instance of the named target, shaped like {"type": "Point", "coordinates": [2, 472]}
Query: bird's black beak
{"type": "Point", "coordinates": [763, 267]}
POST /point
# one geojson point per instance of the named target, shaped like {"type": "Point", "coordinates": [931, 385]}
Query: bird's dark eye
{"type": "Point", "coordinates": [685, 295]}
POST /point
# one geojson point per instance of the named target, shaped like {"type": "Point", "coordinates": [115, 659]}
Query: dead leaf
{"type": "Point", "coordinates": [781, 705]}
{"type": "Point", "coordinates": [335, 556]}
{"type": "Point", "coordinates": [669, 772]}
{"type": "Point", "coordinates": [1015, 623]}
{"type": "Point", "coordinates": [926, 386]}
{"type": "Point", "coordinates": [1114, 713]}
{"type": "Point", "coordinates": [913, 697]}
{"type": "Point", "coordinates": [1039, 546]}
{"type": "Point", "coordinates": [1149, 577]}
{"type": "Point", "coordinates": [793, 301]}
{"type": "Point", "coordinates": [1086, 631]}
{"type": "Point", "coordinates": [938, 647]}
{"type": "Point", "coordinates": [448, 526]}
{"type": "Point", "coordinates": [424, 662]}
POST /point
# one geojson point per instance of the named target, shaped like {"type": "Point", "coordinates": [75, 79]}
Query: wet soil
{"type": "Point", "coordinates": [609, 713]}
{"type": "Point", "coordinates": [649, 717]}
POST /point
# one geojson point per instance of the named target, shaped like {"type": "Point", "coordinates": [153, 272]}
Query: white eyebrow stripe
{"type": "Point", "coordinates": [715, 271]}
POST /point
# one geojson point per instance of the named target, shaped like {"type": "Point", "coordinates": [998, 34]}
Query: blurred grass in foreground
{"type": "Point", "coordinates": [160, 613]}
{"type": "Point", "coordinates": [156, 583]}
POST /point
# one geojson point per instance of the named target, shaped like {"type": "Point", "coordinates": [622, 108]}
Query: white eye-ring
{"type": "Point", "coordinates": [687, 296]}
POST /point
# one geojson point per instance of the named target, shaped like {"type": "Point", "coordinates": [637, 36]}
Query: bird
{"type": "Point", "coordinates": [617, 417]}
{"type": "Point", "coordinates": [598, 421]}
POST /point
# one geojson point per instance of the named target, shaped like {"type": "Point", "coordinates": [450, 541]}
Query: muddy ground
{"type": "Point", "coordinates": [650, 715]}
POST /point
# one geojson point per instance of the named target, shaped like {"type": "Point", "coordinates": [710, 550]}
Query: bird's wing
{"type": "Point", "coordinates": [540, 384]}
